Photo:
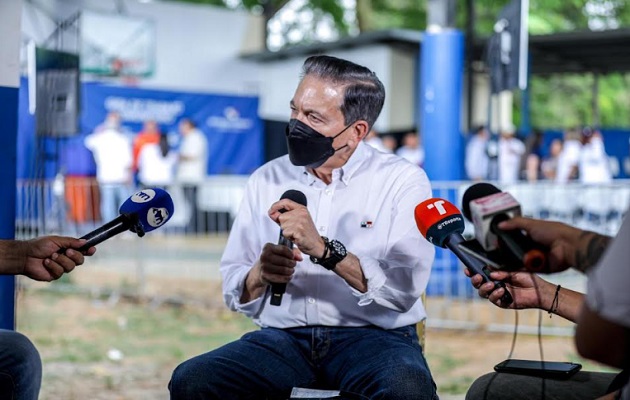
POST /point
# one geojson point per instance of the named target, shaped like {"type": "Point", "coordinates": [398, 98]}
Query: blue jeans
{"type": "Point", "coordinates": [112, 197]}
{"type": "Point", "coordinates": [20, 367]}
{"type": "Point", "coordinates": [268, 363]}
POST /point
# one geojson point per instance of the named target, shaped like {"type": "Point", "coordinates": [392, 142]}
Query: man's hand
{"type": "Point", "coordinates": [297, 226]}
{"type": "Point", "coordinates": [42, 262]}
{"type": "Point", "coordinates": [275, 265]}
{"type": "Point", "coordinates": [568, 246]}
{"type": "Point", "coordinates": [528, 290]}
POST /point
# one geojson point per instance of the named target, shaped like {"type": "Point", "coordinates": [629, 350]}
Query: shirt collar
{"type": "Point", "coordinates": [347, 170]}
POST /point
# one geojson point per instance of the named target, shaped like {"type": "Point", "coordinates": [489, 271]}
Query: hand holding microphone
{"type": "Point", "coordinates": [278, 289]}
{"type": "Point", "coordinates": [144, 211]}
{"type": "Point", "coordinates": [487, 207]}
{"type": "Point", "coordinates": [441, 223]}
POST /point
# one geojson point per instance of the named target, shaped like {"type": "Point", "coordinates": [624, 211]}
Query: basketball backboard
{"type": "Point", "coordinates": [117, 45]}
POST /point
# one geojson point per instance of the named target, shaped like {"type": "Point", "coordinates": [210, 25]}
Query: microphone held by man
{"type": "Point", "coordinates": [486, 207]}
{"type": "Point", "coordinates": [441, 223]}
{"type": "Point", "coordinates": [278, 289]}
{"type": "Point", "coordinates": [144, 211]}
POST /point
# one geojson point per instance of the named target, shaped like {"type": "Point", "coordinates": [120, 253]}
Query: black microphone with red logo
{"type": "Point", "coordinates": [441, 223]}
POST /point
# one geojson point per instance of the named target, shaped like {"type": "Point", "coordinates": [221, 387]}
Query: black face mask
{"type": "Point", "coordinates": [307, 147]}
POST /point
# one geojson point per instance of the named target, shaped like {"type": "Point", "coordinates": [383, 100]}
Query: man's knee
{"type": "Point", "coordinates": [406, 382]}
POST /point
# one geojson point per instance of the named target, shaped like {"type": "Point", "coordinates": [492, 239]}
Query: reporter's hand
{"type": "Point", "coordinates": [528, 290]}
{"type": "Point", "coordinates": [44, 263]}
{"type": "Point", "coordinates": [561, 239]}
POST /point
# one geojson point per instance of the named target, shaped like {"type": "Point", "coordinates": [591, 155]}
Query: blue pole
{"type": "Point", "coordinates": [10, 12]}
{"type": "Point", "coordinates": [441, 70]}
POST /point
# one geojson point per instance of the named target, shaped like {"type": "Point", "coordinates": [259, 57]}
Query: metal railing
{"type": "Point", "coordinates": [176, 263]}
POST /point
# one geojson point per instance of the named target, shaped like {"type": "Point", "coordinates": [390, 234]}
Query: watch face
{"type": "Point", "coordinates": [338, 248]}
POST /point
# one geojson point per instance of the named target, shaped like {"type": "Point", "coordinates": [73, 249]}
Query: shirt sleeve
{"type": "Point", "coordinates": [240, 255]}
{"type": "Point", "coordinates": [397, 280]}
{"type": "Point", "coordinates": [607, 284]}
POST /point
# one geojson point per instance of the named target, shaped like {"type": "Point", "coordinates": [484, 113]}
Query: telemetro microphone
{"type": "Point", "coordinates": [278, 289]}
{"type": "Point", "coordinates": [486, 206]}
{"type": "Point", "coordinates": [144, 211]}
{"type": "Point", "coordinates": [441, 223]}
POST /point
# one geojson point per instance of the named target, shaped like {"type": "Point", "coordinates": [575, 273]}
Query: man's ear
{"type": "Point", "coordinates": [359, 131]}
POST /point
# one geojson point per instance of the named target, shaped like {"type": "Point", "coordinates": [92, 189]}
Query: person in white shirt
{"type": "Point", "coordinates": [476, 161]}
{"type": "Point", "coordinates": [568, 161]}
{"type": "Point", "coordinates": [511, 149]}
{"type": "Point", "coordinates": [374, 140]}
{"type": "Point", "coordinates": [156, 164]}
{"type": "Point", "coordinates": [593, 166]}
{"type": "Point", "coordinates": [112, 153]}
{"type": "Point", "coordinates": [602, 316]}
{"type": "Point", "coordinates": [411, 150]}
{"type": "Point", "coordinates": [192, 168]}
{"type": "Point", "coordinates": [357, 271]}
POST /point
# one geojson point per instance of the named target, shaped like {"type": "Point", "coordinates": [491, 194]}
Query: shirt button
{"type": "Point", "coordinates": [311, 300]}
{"type": "Point", "coordinates": [322, 228]}
{"type": "Point", "coordinates": [327, 191]}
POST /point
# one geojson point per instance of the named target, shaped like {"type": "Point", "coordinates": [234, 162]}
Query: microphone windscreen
{"type": "Point", "coordinates": [437, 219]}
{"type": "Point", "coordinates": [476, 191]}
{"type": "Point", "coordinates": [294, 195]}
{"type": "Point", "coordinates": [153, 207]}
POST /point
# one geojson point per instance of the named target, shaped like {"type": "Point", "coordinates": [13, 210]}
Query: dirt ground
{"type": "Point", "coordinates": [79, 336]}
{"type": "Point", "coordinates": [115, 330]}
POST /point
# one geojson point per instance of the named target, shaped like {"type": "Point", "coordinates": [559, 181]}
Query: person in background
{"type": "Point", "coordinates": [510, 151]}
{"type": "Point", "coordinates": [593, 165]}
{"type": "Point", "coordinates": [411, 149]}
{"type": "Point", "coordinates": [150, 133]}
{"type": "Point", "coordinates": [192, 167]}
{"type": "Point", "coordinates": [42, 259]}
{"type": "Point", "coordinates": [390, 143]}
{"type": "Point", "coordinates": [569, 157]}
{"type": "Point", "coordinates": [156, 164]}
{"type": "Point", "coordinates": [549, 164]}
{"type": "Point", "coordinates": [374, 140]}
{"type": "Point", "coordinates": [532, 158]}
{"type": "Point", "coordinates": [355, 274]}
{"type": "Point", "coordinates": [476, 161]}
{"type": "Point", "coordinates": [585, 251]}
{"type": "Point", "coordinates": [111, 149]}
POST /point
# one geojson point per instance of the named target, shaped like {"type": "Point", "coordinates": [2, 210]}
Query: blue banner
{"type": "Point", "coordinates": [231, 124]}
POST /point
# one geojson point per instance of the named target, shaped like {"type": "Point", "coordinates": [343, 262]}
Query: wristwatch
{"type": "Point", "coordinates": [336, 252]}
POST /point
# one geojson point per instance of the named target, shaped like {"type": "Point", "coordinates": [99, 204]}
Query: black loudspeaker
{"type": "Point", "coordinates": [56, 93]}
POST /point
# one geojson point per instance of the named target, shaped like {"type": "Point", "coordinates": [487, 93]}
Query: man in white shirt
{"type": "Point", "coordinates": [192, 168]}
{"type": "Point", "coordinates": [356, 273]}
{"type": "Point", "coordinates": [113, 157]}
{"type": "Point", "coordinates": [569, 158]}
{"type": "Point", "coordinates": [511, 150]}
{"type": "Point", "coordinates": [411, 150]}
{"type": "Point", "coordinates": [476, 160]}
{"type": "Point", "coordinates": [603, 316]}
{"type": "Point", "coordinates": [593, 166]}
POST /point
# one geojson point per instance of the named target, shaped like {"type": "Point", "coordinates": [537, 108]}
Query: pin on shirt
{"type": "Point", "coordinates": [366, 224]}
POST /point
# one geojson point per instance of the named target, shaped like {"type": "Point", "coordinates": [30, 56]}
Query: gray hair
{"type": "Point", "coordinates": [364, 93]}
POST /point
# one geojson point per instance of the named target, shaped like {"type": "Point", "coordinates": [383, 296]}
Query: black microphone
{"type": "Point", "coordinates": [278, 289]}
{"type": "Point", "coordinates": [144, 211]}
{"type": "Point", "coordinates": [486, 206]}
{"type": "Point", "coordinates": [441, 223]}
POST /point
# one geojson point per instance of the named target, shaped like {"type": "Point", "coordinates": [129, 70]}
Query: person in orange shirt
{"type": "Point", "coordinates": [150, 134]}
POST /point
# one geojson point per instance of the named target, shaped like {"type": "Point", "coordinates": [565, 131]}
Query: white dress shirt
{"type": "Point", "coordinates": [112, 154]}
{"type": "Point", "coordinates": [193, 165]}
{"type": "Point", "coordinates": [369, 207]}
{"type": "Point", "coordinates": [593, 166]}
{"type": "Point", "coordinates": [608, 282]}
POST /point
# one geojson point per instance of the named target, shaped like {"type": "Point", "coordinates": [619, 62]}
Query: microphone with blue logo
{"type": "Point", "coordinates": [144, 211]}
